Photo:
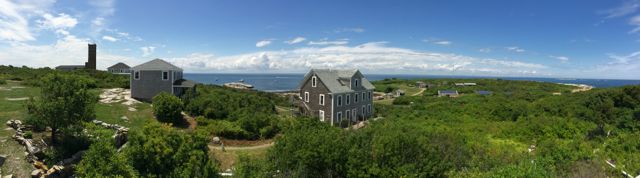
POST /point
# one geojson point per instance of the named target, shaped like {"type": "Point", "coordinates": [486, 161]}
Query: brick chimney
{"type": "Point", "coordinates": [91, 62]}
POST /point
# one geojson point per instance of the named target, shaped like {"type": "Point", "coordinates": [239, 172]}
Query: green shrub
{"type": "Point", "coordinates": [167, 108]}
{"type": "Point", "coordinates": [36, 123]}
{"type": "Point", "coordinates": [102, 160]}
{"type": "Point", "coordinates": [28, 135]}
{"type": "Point", "coordinates": [2, 82]}
{"type": "Point", "coordinates": [161, 151]}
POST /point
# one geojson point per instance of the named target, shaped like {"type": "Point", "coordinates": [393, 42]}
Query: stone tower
{"type": "Point", "coordinates": [91, 63]}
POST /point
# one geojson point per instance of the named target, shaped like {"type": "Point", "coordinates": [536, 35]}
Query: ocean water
{"type": "Point", "coordinates": [287, 82]}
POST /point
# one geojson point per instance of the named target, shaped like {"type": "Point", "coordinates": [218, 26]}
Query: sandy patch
{"type": "Point", "coordinates": [117, 95]}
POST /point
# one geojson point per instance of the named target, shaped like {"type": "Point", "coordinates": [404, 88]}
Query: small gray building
{"type": "Point", "coordinates": [336, 95]}
{"type": "Point", "coordinates": [119, 68]}
{"type": "Point", "coordinates": [448, 93]}
{"type": "Point", "coordinates": [150, 78]}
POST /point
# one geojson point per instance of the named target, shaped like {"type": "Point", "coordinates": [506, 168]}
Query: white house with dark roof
{"type": "Point", "coordinates": [336, 95]}
{"type": "Point", "coordinates": [119, 68]}
{"type": "Point", "coordinates": [150, 78]}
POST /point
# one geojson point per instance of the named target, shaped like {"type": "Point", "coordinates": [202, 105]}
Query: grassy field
{"type": "Point", "coordinates": [15, 109]}
{"type": "Point", "coordinates": [15, 163]}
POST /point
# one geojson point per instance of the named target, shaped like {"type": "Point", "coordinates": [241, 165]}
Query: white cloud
{"type": "Point", "coordinates": [109, 38]}
{"type": "Point", "coordinates": [147, 50]}
{"type": "Point", "coordinates": [355, 30]}
{"type": "Point", "coordinates": [635, 21]}
{"type": "Point", "coordinates": [515, 49]}
{"type": "Point", "coordinates": [296, 40]}
{"type": "Point", "coordinates": [375, 57]}
{"type": "Point", "coordinates": [68, 50]}
{"type": "Point", "coordinates": [484, 50]}
{"type": "Point", "coordinates": [263, 43]}
{"type": "Point", "coordinates": [627, 67]}
{"type": "Point", "coordinates": [324, 42]}
{"type": "Point", "coordinates": [438, 42]}
{"type": "Point", "coordinates": [562, 59]}
{"type": "Point", "coordinates": [62, 21]}
{"type": "Point", "coordinates": [102, 9]}
{"type": "Point", "coordinates": [15, 17]}
{"type": "Point", "coordinates": [444, 43]}
{"type": "Point", "coordinates": [626, 8]}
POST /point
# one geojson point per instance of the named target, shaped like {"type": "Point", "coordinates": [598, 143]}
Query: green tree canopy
{"type": "Point", "coordinates": [167, 108]}
{"type": "Point", "coordinates": [64, 103]}
{"type": "Point", "coordinates": [158, 150]}
{"type": "Point", "coordinates": [102, 160]}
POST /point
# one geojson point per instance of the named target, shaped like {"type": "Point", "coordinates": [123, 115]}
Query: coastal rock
{"type": "Point", "coordinates": [8, 176]}
{"type": "Point", "coordinates": [2, 159]}
{"type": "Point", "coordinates": [36, 173]}
{"type": "Point", "coordinates": [216, 140]}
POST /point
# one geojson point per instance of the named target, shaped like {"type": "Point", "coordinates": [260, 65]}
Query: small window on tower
{"type": "Point", "coordinates": [136, 75]}
{"type": "Point", "coordinates": [165, 75]}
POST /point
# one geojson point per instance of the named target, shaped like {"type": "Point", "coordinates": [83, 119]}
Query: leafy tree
{"type": "Point", "coordinates": [64, 103]}
{"type": "Point", "coordinates": [102, 160]}
{"type": "Point", "coordinates": [167, 108]}
{"type": "Point", "coordinates": [158, 150]}
{"type": "Point", "coordinates": [310, 148]}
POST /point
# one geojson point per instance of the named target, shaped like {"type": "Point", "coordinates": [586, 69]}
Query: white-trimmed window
{"type": "Point", "coordinates": [363, 109]}
{"type": "Point", "coordinates": [321, 116]}
{"type": "Point", "coordinates": [370, 97]}
{"type": "Point", "coordinates": [354, 113]}
{"type": "Point", "coordinates": [348, 99]}
{"type": "Point", "coordinates": [339, 118]}
{"type": "Point", "coordinates": [165, 75]}
{"type": "Point", "coordinates": [314, 81]}
{"type": "Point", "coordinates": [348, 113]}
{"type": "Point", "coordinates": [321, 99]}
{"type": "Point", "coordinates": [369, 108]}
{"type": "Point", "coordinates": [306, 97]}
{"type": "Point", "coordinates": [339, 100]}
{"type": "Point", "coordinates": [136, 75]}
{"type": "Point", "coordinates": [364, 96]}
{"type": "Point", "coordinates": [355, 98]}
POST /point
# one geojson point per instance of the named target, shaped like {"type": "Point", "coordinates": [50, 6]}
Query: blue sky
{"type": "Point", "coordinates": [569, 39]}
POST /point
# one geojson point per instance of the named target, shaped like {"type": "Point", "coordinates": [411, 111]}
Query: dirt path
{"type": "Point", "coordinates": [217, 147]}
{"type": "Point", "coordinates": [420, 92]}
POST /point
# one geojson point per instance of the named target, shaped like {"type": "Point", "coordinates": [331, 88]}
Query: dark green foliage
{"type": "Point", "coordinates": [65, 102]}
{"type": "Point", "coordinates": [167, 108]}
{"type": "Point", "coordinates": [216, 102]}
{"type": "Point", "coordinates": [2, 82]}
{"type": "Point", "coordinates": [102, 160]}
{"type": "Point", "coordinates": [159, 150]}
{"type": "Point", "coordinates": [401, 149]}
{"type": "Point", "coordinates": [235, 114]}
{"type": "Point", "coordinates": [32, 76]}
{"type": "Point", "coordinates": [28, 135]}
{"type": "Point", "coordinates": [310, 149]}
{"type": "Point", "coordinates": [522, 130]}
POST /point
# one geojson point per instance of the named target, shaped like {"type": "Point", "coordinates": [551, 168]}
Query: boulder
{"type": "Point", "coordinates": [2, 159]}
{"type": "Point", "coordinates": [8, 176]}
{"type": "Point", "coordinates": [36, 173]}
{"type": "Point", "coordinates": [216, 140]}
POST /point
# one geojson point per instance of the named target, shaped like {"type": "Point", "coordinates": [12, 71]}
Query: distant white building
{"type": "Point", "coordinates": [119, 68]}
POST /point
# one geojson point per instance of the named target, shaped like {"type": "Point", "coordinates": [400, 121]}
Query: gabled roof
{"type": "Point", "coordinates": [119, 65]}
{"type": "Point", "coordinates": [450, 92]}
{"type": "Point", "coordinates": [157, 64]}
{"type": "Point", "coordinates": [337, 81]}
{"type": "Point", "coordinates": [184, 83]}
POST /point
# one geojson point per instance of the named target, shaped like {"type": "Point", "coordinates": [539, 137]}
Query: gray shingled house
{"type": "Point", "coordinates": [336, 95]}
{"type": "Point", "coordinates": [119, 68]}
{"type": "Point", "coordinates": [150, 78]}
